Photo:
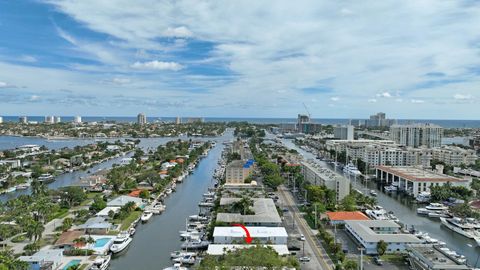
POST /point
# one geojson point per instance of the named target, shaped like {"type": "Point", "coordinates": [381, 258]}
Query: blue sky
{"type": "Point", "coordinates": [343, 59]}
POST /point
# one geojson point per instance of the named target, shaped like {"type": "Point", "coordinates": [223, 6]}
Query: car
{"type": "Point", "coordinates": [285, 209]}
{"type": "Point", "coordinates": [377, 261]}
{"type": "Point", "coordinates": [294, 248]}
{"type": "Point", "coordinates": [302, 237]}
{"type": "Point", "coordinates": [304, 259]}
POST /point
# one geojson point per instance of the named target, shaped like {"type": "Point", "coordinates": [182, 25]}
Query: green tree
{"type": "Point", "coordinates": [8, 261]}
{"type": "Point", "coordinates": [381, 247]}
{"type": "Point", "coordinates": [67, 223]}
{"type": "Point", "coordinates": [144, 194]}
{"type": "Point", "coordinates": [98, 204]}
{"type": "Point", "coordinates": [72, 196]}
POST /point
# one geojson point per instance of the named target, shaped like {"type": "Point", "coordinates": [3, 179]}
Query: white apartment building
{"type": "Point", "coordinates": [77, 119]}
{"type": "Point", "coordinates": [344, 132]}
{"type": "Point", "coordinates": [265, 235]}
{"type": "Point", "coordinates": [417, 135]}
{"type": "Point", "coordinates": [318, 175]}
{"type": "Point", "coordinates": [455, 156]}
{"type": "Point", "coordinates": [141, 119]}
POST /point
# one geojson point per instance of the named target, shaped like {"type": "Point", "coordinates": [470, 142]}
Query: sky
{"type": "Point", "coordinates": [415, 59]}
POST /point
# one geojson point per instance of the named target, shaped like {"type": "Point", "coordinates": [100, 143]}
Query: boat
{"type": "Point", "coordinates": [373, 193]}
{"type": "Point", "coordinates": [461, 226]}
{"type": "Point", "coordinates": [195, 245]}
{"type": "Point", "coordinates": [390, 188]}
{"type": "Point", "coordinates": [422, 211]}
{"type": "Point", "coordinates": [146, 216]}
{"type": "Point", "coordinates": [436, 207]}
{"type": "Point", "coordinates": [197, 218]}
{"type": "Point", "coordinates": [101, 263]}
{"type": "Point", "coordinates": [205, 204]}
{"type": "Point", "coordinates": [377, 213]}
{"type": "Point", "coordinates": [10, 189]}
{"type": "Point", "coordinates": [187, 259]}
{"type": "Point", "coordinates": [121, 242]}
{"type": "Point", "coordinates": [438, 214]}
{"type": "Point", "coordinates": [190, 235]}
{"type": "Point", "coordinates": [46, 178]}
{"type": "Point", "coordinates": [180, 253]}
{"type": "Point", "coordinates": [131, 231]}
{"type": "Point", "coordinates": [423, 197]}
{"type": "Point", "coordinates": [351, 169]}
{"type": "Point", "coordinates": [23, 186]}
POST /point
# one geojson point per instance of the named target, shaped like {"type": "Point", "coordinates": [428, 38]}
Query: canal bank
{"type": "Point", "coordinates": [405, 210]}
{"type": "Point", "coordinates": [155, 240]}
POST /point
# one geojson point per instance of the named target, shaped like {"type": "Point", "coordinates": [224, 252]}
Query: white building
{"type": "Point", "coordinates": [77, 119]}
{"type": "Point", "coordinates": [141, 119]}
{"type": "Point", "coordinates": [344, 132]}
{"type": "Point", "coordinates": [49, 119]}
{"type": "Point", "coordinates": [57, 119]}
{"type": "Point", "coordinates": [123, 200]}
{"type": "Point", "coordinates": [23, 119]}
{"type": "Point", "coordinates": [415, 180]}
{"type": "Point", "coordinates": [217, 250]}
{"type": "Point", "coordinates": [266, 213]}
{"type": "Point", "coordinates": [264, 235]}
{"type": "Point", "coordinates": [1, 119]}
{"type": "Point", "coordinates": [44, 259]}
{"type": "Point", "coordinates": [454, 156]}
{"type": "Point", "coordinates": [367, 233]}
{"type": "Point", "coordinates": [317, 175]}
{"type": "Point", "coordinates": [417, 135]}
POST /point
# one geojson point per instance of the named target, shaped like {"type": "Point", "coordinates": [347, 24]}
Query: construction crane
{"type": "Point", "coordinates": [306, 109]}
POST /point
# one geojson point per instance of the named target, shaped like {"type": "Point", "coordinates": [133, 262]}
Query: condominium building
{"type": "Point", "coordinates": [454, 156]}
{"type": "Point", "coordinates": [417, 135]}
{"type": "Point", "coordinates": [49, 119]}
{"type": "Point", "coordinates": [23, 119]}
{"type": "Point", "coordinates": [57, 119]}
{"type": "Point", "coordinates": [317, 175]}
{"type": "Point", "coordinates": [178, 120]}
{"type": "Point", "coordinates": [141, 119]}
{"type": "Point", "coordinates": [238, 170]}
{"type": "Point", "coordinates": [344, 132]}
{"type": "Point", "coordinates": [77, 119]}
{"type": "Point", "coordinates": [195, 120]}
{"type": "Point", "coordinates": [1, 119]}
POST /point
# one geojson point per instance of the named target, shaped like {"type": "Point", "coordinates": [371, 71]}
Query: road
{"type": "Point", "coordinates": [320, 255]}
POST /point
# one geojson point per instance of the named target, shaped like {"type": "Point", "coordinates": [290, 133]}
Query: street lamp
{"type": "Point", "coordinates": [361, 257]}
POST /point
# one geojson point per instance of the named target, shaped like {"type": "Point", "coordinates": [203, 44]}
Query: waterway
{"type": "Point", "coordinates": [405, 210]}
{"type": "Point", "coordinates": [154, 241]}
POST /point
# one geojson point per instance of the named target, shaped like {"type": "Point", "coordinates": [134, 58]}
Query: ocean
{"type": "Point", "coordinates": [326, 121]}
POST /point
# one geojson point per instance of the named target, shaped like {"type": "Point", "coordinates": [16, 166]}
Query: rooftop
{"type": "Point", "coordinates": [254, 231]}
{"type": "Point", "coordinates": [66, 238]}
{"type": "Point", "coordinates": [264, 208]}
{"type": "Point", "coordinates": [416, 174]}
{"type": "Point", "coordinates": [433, 257]}
{"type": "Point", "coordinates": [216, 249]}
{"type": "Point", "coordinates": [364, 229]}
{"type": "Point", "coordinates": [342, 215]}
{"type": "Point", "coordinates": [122, 200]}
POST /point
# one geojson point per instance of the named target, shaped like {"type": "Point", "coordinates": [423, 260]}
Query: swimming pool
{"type": "Point", "coordinates": [101, 242]}
{"type": "Point", "coordinates": [72, 263]}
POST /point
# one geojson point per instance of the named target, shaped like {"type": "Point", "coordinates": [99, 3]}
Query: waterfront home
{"type": "Point", "coordinates": [266, 213]}
{"type": "Point", "coordinates": [430, 257]}
{"type": "Point", "coordinates": [47, 259]}
{"type": "Point", "coordinates": [264, 235]}
{"type": "Point", "coordinates": [92, 183]}
{"type": "Point", "coordinates": [12, 163]}
{"type": "Point", "coordinates": [340, 217]}
{"type": "Point", "coordinates": [105, 212]}
{"type": "Point", "coordinates": [220, 249]}
{"type": "Point", "coordinates": [113, 147]}
{"type": "Point", "coordinates": [367, 234]}
{"type": "Point", "coordinates": [95, 225]}
{"type": "Point", "coordinates": [123, 200]}
{"type": "Point", "coordinates": [67, 239]}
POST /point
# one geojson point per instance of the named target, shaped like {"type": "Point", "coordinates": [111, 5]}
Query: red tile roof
{"type": "Point", "coordinates": [356, 215]}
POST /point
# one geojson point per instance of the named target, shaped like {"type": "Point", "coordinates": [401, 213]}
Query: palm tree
{"type": "Point", "coordinates": [8, 261]}
{"type": "Point", "coordinates": [38, 188]}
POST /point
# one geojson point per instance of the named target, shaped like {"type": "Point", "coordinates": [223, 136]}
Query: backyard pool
{"type": "Point", "coordinates": [71, 263]}
{"type": "Point", "coordinates": [101, 242]}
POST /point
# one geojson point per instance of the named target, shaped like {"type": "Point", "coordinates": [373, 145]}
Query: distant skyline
{"type": "Point", "coordinates": [411, 59]}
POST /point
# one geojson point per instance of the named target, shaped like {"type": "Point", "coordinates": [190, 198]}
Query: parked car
{"type": "Point", "coordinates": [377, 261]}
{"type": "Point", "coordinates": [302, 237]}
{"type": "Point", "coordinates": [304, 259]}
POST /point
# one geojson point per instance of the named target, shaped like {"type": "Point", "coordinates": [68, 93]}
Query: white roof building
{"type": "Point", "coordinates": [123, 200]}
{"type": "Point", "coordinates": [44, 258]}
{"type": "Point", "coordinates": [216, 250]}
{"type": "Point", "coordinates": [104, 212]}
{"type": "Point", "coordinates": [264, 235]}
{"type": "Point", "coordinates": [265, 213]}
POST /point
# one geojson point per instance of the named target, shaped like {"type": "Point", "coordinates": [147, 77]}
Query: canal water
{"type": "Point", "coordinates": [404, 208]}
{"type": "Point", "coordinates": [154, 241]}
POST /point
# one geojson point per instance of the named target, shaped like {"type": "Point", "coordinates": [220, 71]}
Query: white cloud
{"type": "Point", "coordinates": [181, 31]}
{"type": "Point", "coordinates": [372, 100]}
{"type": "Point", "coordinates": [384, 94]}
{"type": "Point", "coordinates": [334, 98]}
{"type": "Point", "coordinates": [157, 65]}
{"type": "Point", "coordinates": [3, 84]}
{"type": "Point", "coordinates": [34, 98]}
{"type": "Point", "coordinates": [462, 97]}
{"type": "Point", "coordinates": [28, 59]}
{"type": "Point", "coordinates": [417, 101]}
{"type": "Point", "coordinates": [121, 81]}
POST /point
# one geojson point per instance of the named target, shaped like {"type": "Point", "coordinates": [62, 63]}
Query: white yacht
{"type": "Point", "coordinates": [351, 169]}
{"type": "Point", "coordinates": [461, 226]}
{"type": "Point", "coordinates": [120, 243]}
{"type": "Point", "coordinates": [373, 193]}
{"type": "Point", "coordinates": [46, 178]}
{"type": "Point", "coordinates": [187, 259]}
{"type": "Point", "coordinates": [436, 207]}
{"type": "Point", "coordinates": [390, 188]}
{"type": "Point", "coordinates": [423, 197]}
{"type": "Point", "coordinates": [101, 263]}
{"type": "Point", "coordinates": [176, 266]}
{"type": "Point", "coordinates": [179, 253]}
{"type": "Point", "coordinates": [377, 213]}
{"type": "Point", "coordinates": [197, 218]}
{"type": "Point", "coordinates": [146, 216]}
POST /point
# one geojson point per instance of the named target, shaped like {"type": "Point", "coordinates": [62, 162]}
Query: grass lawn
{"type": "Point", "coordinates": [393, 258]}
{"type": "Point", "coordinates": [63, 212]}
{"type": "Point", "coordinates": [19, 238]}
{"type": "Point", "coordinates": [130, 219]}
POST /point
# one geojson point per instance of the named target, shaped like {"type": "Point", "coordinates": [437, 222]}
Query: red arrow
{"type": "Point", "coordinates": [248, 239]}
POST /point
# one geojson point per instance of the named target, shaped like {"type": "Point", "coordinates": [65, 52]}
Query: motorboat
{"type": "Point", "coordinates": [377, 213]}
{"type": "Point", "coordinates": [146, 216]}
{"type": "Point", "coordinates": [197, 218]}
{"type": "Point", "coordinates": [176, 266]}
{"type": "Point", "coordinates": [46, 178]}
{"type": "Point", "coordinates": [195, 245]}
{"type": "Point", "coordinates": [351, 169]}
{"type": "Point", "coordinates": [190, 235]}
{"type": "Point", "coordinates": [390, 188]}
{"type": "Point", "coordinates": [23, 186]}
{"type": "Point", "coordinates": [180, 253]}
{"type": "Point", "coordinates": [423, 197]}
{"type": "Point", "coordinates": [461, 226]}
{"type": "Point", "coordinates": [423, 211]}
{"type": "Point", "coordinates": [438, 214]}
{"type": "Point", "coordinates": [206, 204]}
{"type": "Point", "coordinates": [187, 259]}
{"type": "Point", "coordinates": [101, 263]}
{"type": "Point", "coordinates": [121, 242]}
{"type": "Point", "coordinates": [131, 231]}
{"type": "Point", "coordinates": [436, 207]}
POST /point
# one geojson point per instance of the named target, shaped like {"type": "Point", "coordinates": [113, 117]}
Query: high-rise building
{"type": "Point", "coordinates": [23, 119]}
{"type": "Point", "coordinates": [195, 120]}
{"type": "Point", "coordinates": [77, 119]}
{"type": "Point", "coordinates": [57, 119]}
{"type": "Point", "coordinates": [49, 119]}
{"type": "Point", "coordinates": [178, 120]}
{"type": "Point", "coordinates": [1, 119]}
{"type": "Point", "coordinates": [379, 120]}
{"type": "Point", "coordinates": [344, 132]}
{"type": "Point", "coordinates": [416, 135]}
{"type": "Point", "coordinates": [141, 119]}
